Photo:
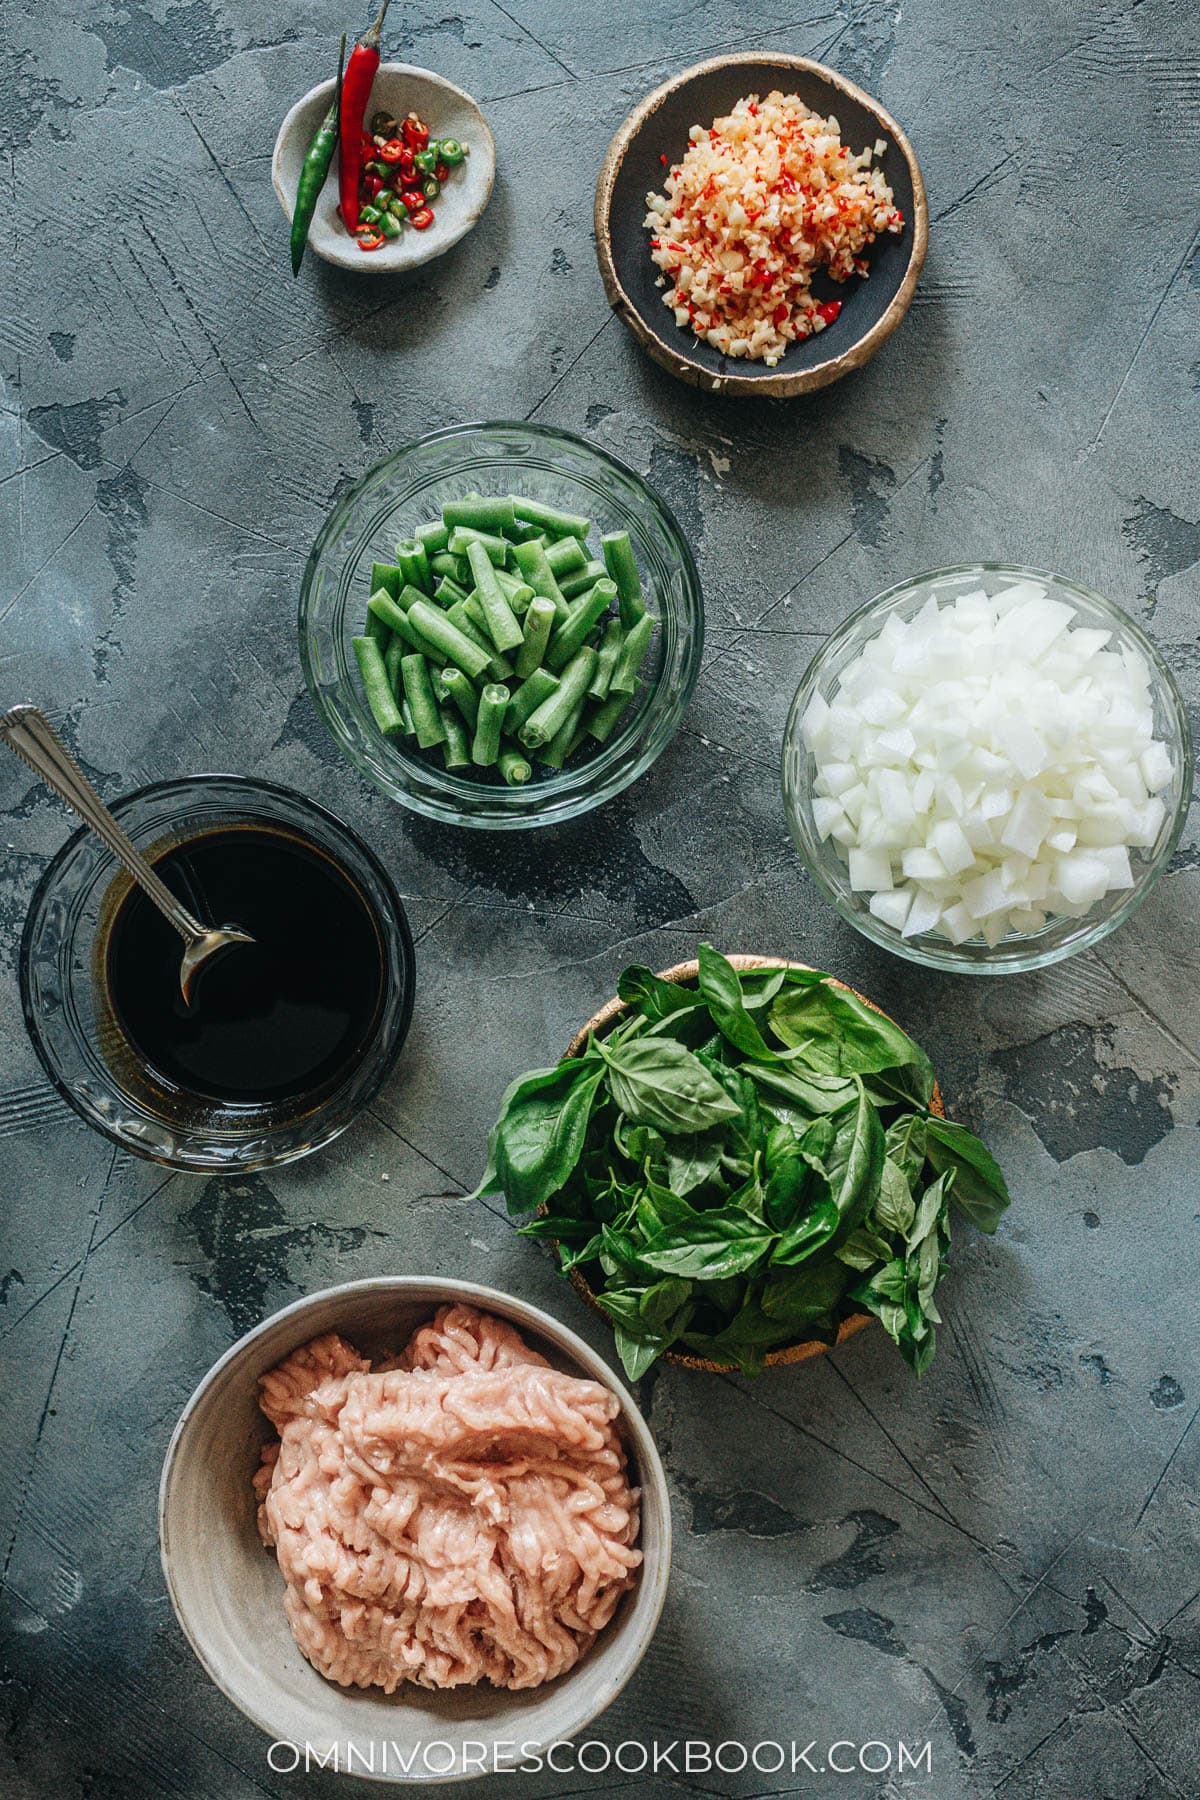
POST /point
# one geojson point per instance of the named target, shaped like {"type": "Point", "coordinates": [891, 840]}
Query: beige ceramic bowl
{"type": "Point", "coordinates": [399, 89]}
{"type": "Point", "coordinates": [228, 1593]}
{"type": "Point", "coordinates": [603, 1021]}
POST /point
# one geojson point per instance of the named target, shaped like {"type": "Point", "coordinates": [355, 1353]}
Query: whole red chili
{"type": "Point", "coordinates": [356, 91]}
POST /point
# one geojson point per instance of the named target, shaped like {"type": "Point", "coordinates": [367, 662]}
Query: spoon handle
{"type": "Point", "coordinates": [31, 736]}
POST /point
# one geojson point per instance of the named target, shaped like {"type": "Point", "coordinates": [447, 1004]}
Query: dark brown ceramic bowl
{"type": "Point", "coordinates": [871, 308]}
{"type": "Point", "coordinates": [601, 1022]}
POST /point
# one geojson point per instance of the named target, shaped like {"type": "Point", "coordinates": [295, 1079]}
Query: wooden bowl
{"type": "Point", "coordinates": [601, 1022]}
{"type": "Point", "coordinates": [659, 126]}
{"type": "Point", "coordinates": [399, 88]}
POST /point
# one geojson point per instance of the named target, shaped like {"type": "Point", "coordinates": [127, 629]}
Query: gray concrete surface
{"type": "Point", "coordinates": [1001, 1560]}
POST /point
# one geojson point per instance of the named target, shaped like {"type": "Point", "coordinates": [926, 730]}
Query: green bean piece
{"type": "Point", "coordinates": [438, 629]}
{"type": "Point", "coordinates": [377, 628]}
{"type": "Point", "coordinates": [502, 624]}
{"type": "Point", "coordinates": [524, 534]}
{"type": "Point", "coordinates": [376, 687]}
{"type": "Point", "coordinates": [414, 564]}
{"type": "Point", "coordinates": [493, 702]}
{"type": "Point", "coordinates": [437, 678]}
{"type": "Point", "coordinates": [532, 691]}
{"type": "Point", "coordinates": [456, 567]}
{"type": "Point", "coordinates": [514, 768]}
{"type": "Point", "coordinates": [408, 595]}
{"type": "Point", "coordinates": [534, 565]}
{"type": "Point", "coordinates": [491, 515]}
{"type": "Point", "coordinates": [447, 592]}
{"type": "Point", "coordinates": [632, 656]}
{"type": "Point", "coordinates": [564, 556]}
{"type": "Point", "coordinates": [456, 750]}
{"type": "Point", "coordinates": [434, 535]}
{"type": "Point", "coordinates": [550, 518]}
{"type": "Point", "coordinates": [391, 662]}
{"type": "Point", "coordinates": [496, 547]}
{"type": "Point", "coordinates": [538, 622]}
{"type": "Point", "coordinates": [621, 564]}
{"type": "Point", "coordinates": [470, 619]}
{"type": "Point", "coordinates": [579, 733]}
{"type": "Point", "coordinates": [418, 689]}
{"type": "Point", "coordinates": [580, 580]}
{"type": "Point", "coordinates": [518, 591]}
{"type": "Point", "coordinates": [410, 728]}
{"type": "Point", "coordinates": [554, 754]}
{"type": "Point", "coordinates": [602, 718]}
{"type": "Point", "coordinates": [462, 693]}
{"type": "Point", "coordinates": [606, 660]}
{"type": "Point", "coordinates": [585, 616]}
{"type": "Point", "coordinates": [383, 611]}
{"type": "Point", "coordinates": [386, 576]}
{"type": "Point", "coordinates": [550, 717]}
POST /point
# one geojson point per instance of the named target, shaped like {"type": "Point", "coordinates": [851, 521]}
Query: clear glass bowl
{"type": "Point", "coordinates": [1059, 937]}
{"type": "Point", "coordinates": [408, 489]}
{"type": "Point", "coordinates": [75, 1033]}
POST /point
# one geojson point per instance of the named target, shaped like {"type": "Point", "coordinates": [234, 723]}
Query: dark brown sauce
{"type": "Point", "coordinates": [277, 1020]}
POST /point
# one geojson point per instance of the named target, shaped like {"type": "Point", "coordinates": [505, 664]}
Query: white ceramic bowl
{"type": "Point", "coordinates": [399, 89]}
{"type": "Point", "coordinates": [228, 1593]}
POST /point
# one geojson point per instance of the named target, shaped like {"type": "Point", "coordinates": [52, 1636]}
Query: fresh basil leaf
{"type": "Point", "coordinates": [620, 1255]}
{"type": "Point", "coordinates": [905, 1139]}
{"type": "Point", "coordinates": [930, 1209]}
{"type": "Point", "coordinates": [979, 1191]}
{"type": "Point", "coordinates": [760, 986]}
{"type": "Point", "coordinates": [636, 1353]}
{"type": "Point", "coordinates": [721, 992]}
{"type": "Point", "coordinates": [693, 1158]}
{"type": "Point", "coordinates": [657, 1082]}
{"type": "Point", "coordinates": [659, 1209]}
{"type": "Point", "coordinates": [659, 1304]}
{"type": "Point", "coordinates": [644, 1145]}
{"type": "Point", "coordinates": [623, 1305]}
{"type": "Point", "coordinates": [807, 1235]}
{"type": "Point", "coordinates": [894, 1209]}
{"type": "Point", "coordinates": [557, 1225]}
{"type": "Point", "coordinates": [787, 1186]}
{"type": "Point", "coordinates": [654, 998]}
{"type": "Point", "coordinates": [572, 1256]}
{"type": "Point", "coordinates": [721, 1242]}
{"type": "Point", "coordinates": [536, 1142]}
{"type": "Point", "coordinates": [817, 1141]}
{"type": "Point", "coordinates": [863, 1249]}
{"type": "Point", "coordinates": [889, 1283]}
{"type": "Point", "coordinates": [854, 1165]}
{"type": "Point", "coordinates": [841, 1035]}
{"type": "Point", "coordinates": [805, 1296]}
{"type": "Point", "coordinates": [805, 1097]}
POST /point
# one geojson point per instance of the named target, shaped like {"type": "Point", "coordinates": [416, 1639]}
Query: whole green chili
{"type": "Point", "coordinates": [315, 168]}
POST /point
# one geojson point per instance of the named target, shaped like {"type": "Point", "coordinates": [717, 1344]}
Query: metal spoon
{"type": "Point", "coordinates": [31, 736]}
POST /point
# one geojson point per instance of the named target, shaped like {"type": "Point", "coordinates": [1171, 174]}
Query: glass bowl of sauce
{"type": "Point", "coordinates": [285, 1041]}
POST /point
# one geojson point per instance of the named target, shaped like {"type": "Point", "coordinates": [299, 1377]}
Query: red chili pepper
{"type": "Point", "coordinates": [414, 200]}
{"type": "Point", "coordinates": [372, 183]}
{"type": "Point", "coordinates": [368, 237]}
{"type": "Point", "coordinates": [829, 310]}
{"type": "Point", "coordinates": [781, 313]}
{"type": "Point", "coordinates": [663, 158]}
{"type": "Point", "coordinates": [422, 219]}
{"type": "Point", "coordinates": [441, 171]}
{"type": "Point", "coordinates": [392, 151]}
{"type": "Point", "coordinates": [416, 135]}
{"type": "Point", "coordinates": [356, 91]}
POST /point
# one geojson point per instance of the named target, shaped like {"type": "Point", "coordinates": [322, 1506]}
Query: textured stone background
{"type": "Point", "coordinates": [1002, 1559]}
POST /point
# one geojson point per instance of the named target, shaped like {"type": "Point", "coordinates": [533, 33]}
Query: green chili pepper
{"type": "Point", "coordinates": [389, 225]}
{"type": "Point", "coordinates": [314, 170]}
{"type": "Point", "coordinates": [368, 215]}
{"type": "Point", "coordinates": [382, 169]}
{"type": "Point", "coordinates": [431, 187]}
{"type": "Point", "coordinates": [426, 161]}
{"type": "Point", "coordinates": [451, 152]}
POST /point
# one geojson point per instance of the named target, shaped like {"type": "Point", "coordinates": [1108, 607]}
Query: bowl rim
{"type": "Point", "coordinates": [946, 957]}
{"type": "Point", "coordinates": [251, 784]}
{"type": "Point", "coordinates": [431, 246]}
{"type": "Point", "coordinates": [600, 1021]}
{"type": "Point", "coordinates": [652, 1585]}
{"type": "Point", "coordinates": [507, 816]}
{"type": "Point", "coordinates": [677, 358]}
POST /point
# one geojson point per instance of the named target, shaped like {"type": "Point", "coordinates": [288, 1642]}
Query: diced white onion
{"type": "Point", "coordinates": [987, 764]}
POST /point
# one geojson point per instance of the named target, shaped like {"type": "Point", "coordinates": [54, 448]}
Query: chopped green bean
{"type": "Point", "coordinates": [524, 534]}
{"type": "Point", "coordinates": [519, 592]}
{"type": "Point", "coordinates": [538, 621]}
{"type": "Point", "coordinates": [433, 535]}
{"type": "Point", "coordinates": [496, 547]}
{"type": "Point", "coordinates": [534, 565]}
{"type": "Point", "coordinates": [376, 686]}
{"type": "Point", "coordinates": [601, 720]}
{"type": "Point", "coordinates": [606, 660]}
{"type": "Point", "coordinates": [462, 693]}
{"type": "Point", "coordinates": [632, 655]}
{"type": "Point", "coordinates": [418, 688]}
{"type": "Point", "coordinates": [550, 518]}
{"type": "Point", "coordinates": [447, 591]}
{"type": "Point", "coordinates": [553, 713]}
{"type": "Point", "coordinates": [621, 564]}
{"type": "Point", "coordinates": [386, 576]}
{"type": "Point", "coordinates": [554, 754]}
{"type": "Point", "coordinates": [585, 616]}
{"type": "Point", "coordinates": [393, 651]}
{"type": "Point", "coordinates": [567, 554]}
{"type": "Point", "coordinates": [456, 750]}
{"type": "Point", "coordinates": [532, 691]}
{"type": "Point", "coordinates": [493, 702]}
{"type": "Point", "coordinates": [456, 567]}
{"type": "Point", "coordinates": [491, 515]}
{"type": "Point", "coordinates": [408, 594]}
{"type": "Point", "coordinates": [414, 564]}
{"type": "Point", "coordinates": [470, 619]}
{"type": "Point", "coordinates": [502, 624]}
{"type": "Point", "coordinates": [446, 635]}
{"type": "Point", "coordinates": [514, 768]}
{"type": "Point", "coordinates": [376, 627]}
{"type": "Point", "coordinates": [391, 615]}
{"type": "Point", "coordinates": [580, 580]}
